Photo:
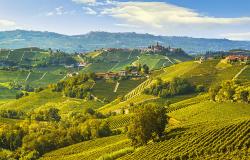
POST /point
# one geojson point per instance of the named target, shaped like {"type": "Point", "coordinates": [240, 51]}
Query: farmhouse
{"type": "Point", "coordinates": [82, 64]}
{"type": "Point", "coordinates": [107, 75]}
{"type": "Point", "coordinates": [135, 73]}
{"type": "Point", "coordinates": [123, 73]}
{"type": "Point", "coordinates": [237, 58]}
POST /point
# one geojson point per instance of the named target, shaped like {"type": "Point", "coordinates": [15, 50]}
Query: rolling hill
{"type": "Point", "coordinates": [96, 40]}
{"type": "Point", "coordinates": [198, 128]}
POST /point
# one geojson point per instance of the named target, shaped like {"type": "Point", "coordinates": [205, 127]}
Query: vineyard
{"type": "Point", "coordinates": [119, 121]}
{"type": "Point", "coordinates": [139, 89]}
{"type": "Point", "coordinates": [90, 150]}
{"type": "Point", "coordinates": [196, 142]}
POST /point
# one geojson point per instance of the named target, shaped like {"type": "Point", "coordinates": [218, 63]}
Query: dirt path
{"type": "Point", "coordinates": [169, 60]}
{"type": "Point", "coordinates": [43, 75]}
{"type": "Point", "coordinates": [238, 74]}
{"type": "Point", "coordinates": [27, 77]}
{"type": "Point", "coordinates": [116, 87]}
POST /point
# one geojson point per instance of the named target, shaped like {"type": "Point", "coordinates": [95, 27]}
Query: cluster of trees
{"type": "Point", "coordinates": [230, 91]}
{"type": "Point", "coordinates": [148, 123]}
{"type": "Point", "coordinates": [13, 114]}
{"type": "Point", "coordinates": [76, 86]}
{"type": "Point", "coordinates": [140, 68]}
{"type": "Point", "coordinates": [51, 114]}
{"type": "Point", "coordinates": [31, 138]}
{"type": "Point", "coordinates": [177, 86]}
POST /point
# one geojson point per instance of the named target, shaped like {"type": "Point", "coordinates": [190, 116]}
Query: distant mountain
{"type": "Point", "coordinates": [96, 40]}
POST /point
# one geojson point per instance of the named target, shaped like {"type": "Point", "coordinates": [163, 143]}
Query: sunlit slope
{"type": "Point", "coordinates": [206, 74]}
{"type": "Point", "coordinates": [203, 129]}
{"type": "Point", "coordinates": [47, 99]}
{"type": "Point", "coordinates": [90, 150]}
{"type": "Point", "coordinates": [116, 60]}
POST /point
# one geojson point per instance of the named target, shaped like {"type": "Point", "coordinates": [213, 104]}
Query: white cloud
{"type": "Point", "coordinates": [96, 3]}
{"type": "Point", "coordinates": [84, 1]}
{"type": "Point", "coordinates": [6, 23]}
{"type": "Point", "coordinates": [238, 36]}
{"type": "Point", "coordinates": [89, 11]}
{"type": "Point", "coordinates": [160, 13]}
{"type": "Point", "coordinates": [60, 11]}
{"type": "Point", "coordinates": [127, 25]}
{"type": "Point", "coordinates": [164, 18]}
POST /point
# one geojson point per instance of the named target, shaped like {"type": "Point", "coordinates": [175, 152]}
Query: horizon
{"type": "Point", "coordinates": [82, 34]}
{"type": "Point", "coordinates": [206, 19]}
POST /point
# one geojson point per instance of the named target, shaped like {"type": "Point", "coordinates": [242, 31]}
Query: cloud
{"type": "Point", "coordinates": [96, 3]}
{"type": "Point", "coordinates": [6, 23]}
{"type": "Point", "coordinates": [127, 25]}
{"type": "Point", "coordinates": [160, 13]}
{"type": "Point", "coordinates": [161, 17]}
{"type": "Point", "coordinates": [59, 11]}
{"type": "Point", "coordinates": [238, 36]}
{"type": "Point", "coordinates": [84, 1]}
{"type": "Point", "coordinates": [89, 11]}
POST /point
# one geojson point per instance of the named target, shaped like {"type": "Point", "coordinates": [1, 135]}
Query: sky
{"type": "Point", "coordinates": [193, 18]}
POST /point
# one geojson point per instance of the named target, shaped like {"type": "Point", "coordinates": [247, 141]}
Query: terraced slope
{"type": "Point", "coordinates": [205, 129]}
{"type": "Point", "coordinates": [90, 150]}
{"type": "Point", "coordinates": [214, 142]}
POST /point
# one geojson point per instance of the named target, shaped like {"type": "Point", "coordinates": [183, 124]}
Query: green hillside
{"type": "Point", "coordinates": [82, 116]}
{"type": "Point", "coordinates": [205, 74]}
{"type": "Point", "coordinates": [206, 129]}
{"type": "Point", "coordinates": [118, 59]}
{"type": "Point", "coordinates": [47, 99]}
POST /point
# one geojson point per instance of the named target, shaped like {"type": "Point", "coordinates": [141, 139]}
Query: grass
{"type": "Point", "coordinates": [154, 61]}
{"type": "Point", "coordinates": [117, 105]}
{"type": "Point", "coordinates": [105, 89]}
{"type": "Point", "coordinates": [36, 79]}
{"type": "Point", "coordinates": [99, 67]}
{"type": "Point", "coordinates": [47, 99]}
{"type": "Point", "coordinates": [245, 75]}
{"type": "Point", "coordinates": [6, 93]}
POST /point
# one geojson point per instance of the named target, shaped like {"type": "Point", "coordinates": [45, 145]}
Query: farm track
{"type": "Point", "coordinates": [238, 74]}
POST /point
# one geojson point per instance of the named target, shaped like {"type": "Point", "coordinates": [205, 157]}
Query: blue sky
{"type": "Point", "coordinates": [194, 18]}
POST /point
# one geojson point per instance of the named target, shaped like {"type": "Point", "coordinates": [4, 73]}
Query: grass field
{"type": "Point", "coordinates": [105, 89]}
{"type": "Point", "coordinates": [47, 99]}
{"type": "Point", "coordinates": [41, 77]}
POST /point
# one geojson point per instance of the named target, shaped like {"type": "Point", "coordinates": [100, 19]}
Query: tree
{"type": "Point", "coordinates": [145, 69]}
{"type": "Point", "coordinates": [213, 92]}
{"type": "Point", "coordinates": [53, 114]}
{"type": "Point", "coordinates": [148, 123]}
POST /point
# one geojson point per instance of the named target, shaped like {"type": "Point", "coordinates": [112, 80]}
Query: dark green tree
{"type": "Point", "coordinates": [148, 123]}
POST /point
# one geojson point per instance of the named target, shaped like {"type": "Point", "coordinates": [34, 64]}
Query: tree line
{"type": "Point", "coordinates": [232, 91]}
{"type": "Point", "coordinates": [45, 130]}
{"type": "Point", "coordinates": [177, 86]}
